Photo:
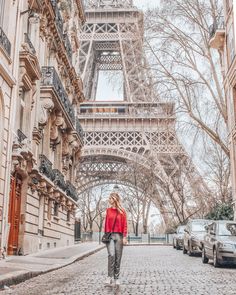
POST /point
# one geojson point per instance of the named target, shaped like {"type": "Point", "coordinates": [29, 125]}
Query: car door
{"type": "Point", "coordinates": [186, 235]}
{"type": "Point", "coordinates": [207, 240]}
{"type": "Point", "coordinates": [212, 238]}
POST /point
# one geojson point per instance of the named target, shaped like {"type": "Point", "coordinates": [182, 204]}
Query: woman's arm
{"type": "Point", "coordinates": [124, 228]}
{"type": "Point", "coordinates": [106, 219]}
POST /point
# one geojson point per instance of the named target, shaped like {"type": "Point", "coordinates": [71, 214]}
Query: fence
{"type": "Point", "coordinates": [150, 239]}
{"type": "Point", "coordinates": [132, 239]}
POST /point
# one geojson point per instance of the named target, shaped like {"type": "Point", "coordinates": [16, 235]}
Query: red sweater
{"type": "Point", "coordinates": [121, 222]}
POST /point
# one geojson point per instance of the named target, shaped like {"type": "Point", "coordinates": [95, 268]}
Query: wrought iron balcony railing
{"type": "Point", "coordinates": [4, 42]}
{"type": "Point", "coordinates": [51, 78]}
{"type": "Point", "coordinates": [59, 180]}
{"type": "Point", "coordinates": [68, 47]}
{"type": "Point", "coordinates": [21, 136]}
{"type": "Point", "coordinates": [79, 129]}
{"type": "Point", "coordinates": [71, 191]}
{"type": "Point", "coordinates": [58, 17]}
{"type": "Point", "coordinates": [46, 167]}
{"type": "Point", "coordinates": [57, 177]}
{"type": "Point", "coordinates": [28, 41]}
{"type": "Point", "coordinates": [217, 25]}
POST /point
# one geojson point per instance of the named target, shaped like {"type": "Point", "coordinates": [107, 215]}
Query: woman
{"type": "Point", "coordinates": [116, 223]}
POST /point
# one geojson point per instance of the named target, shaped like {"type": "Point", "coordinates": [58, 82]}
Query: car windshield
{"type": "Point", "coordinates": [181, 230]}
{"type": "Point", "coordinates": [227, 229]}
{"type": "Point", "coordinates": [199, 226]}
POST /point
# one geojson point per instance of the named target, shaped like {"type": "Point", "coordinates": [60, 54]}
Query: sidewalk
{"type": "Point", "coordinates": [15, 269]}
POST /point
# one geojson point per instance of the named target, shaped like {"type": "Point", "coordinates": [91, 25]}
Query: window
{"type": "Point", "coordinates": [68, 216]}
{"type": "Point", "coordinates": [199, 226]}
{"type": "Point", "coordinates": [49, 209]}
{"type": "Point", "coordinates": [22, 109]}
{"type": "Point", "coordinates": [56, 209]}
{"type": "Point", "coordinates": [227, 229]}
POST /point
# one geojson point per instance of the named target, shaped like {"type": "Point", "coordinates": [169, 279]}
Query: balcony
{"type": "Point", "coordinates": [59, 179]}
{"type": "Point", "coordinates": [68, 47]}
{"type": "Point", "coordinates": [21, 136]}
{"type": "Point", "coordinates": [58, 18]}
{"type": "Point", "coordinates": [31, 46]}
{"type": "Point", "coordinates": [5, 43]}
{"type": "Point", "coordinates": [59, 26]}
{"type": "Point", "coordinates": [126, 110]}
{"type": "Point", "coordinates": [71, 191]}
{"type": "Point", "coordinates": [51, 78]}
{"type": "Point", "coordinates": [79, 130]}
{"type": "Point", "coordinates": [217, 34]}
{"type": "Point", "coordinates": [46, 167]}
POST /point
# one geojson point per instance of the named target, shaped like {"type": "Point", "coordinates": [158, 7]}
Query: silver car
{"type": "Point", "coordinates": [219, 243]}
{"type": "Point", "coordinates": [178, 237]}
{"type": "Point", "coordinates": [193, 236]}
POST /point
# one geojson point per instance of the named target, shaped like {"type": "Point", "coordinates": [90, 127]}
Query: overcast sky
{"type": "Point", "coordinates": [109, 90]}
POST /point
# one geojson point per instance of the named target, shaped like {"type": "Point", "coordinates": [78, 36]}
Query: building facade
{"type": "Point", "coordinates": [222, 38]}
{"type": "Point", "coordinates": [41, 136]}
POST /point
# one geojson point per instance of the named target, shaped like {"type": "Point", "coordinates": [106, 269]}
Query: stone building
{"type": "Point", "coordinates": [222, 38]}
{"type": "Point", "coordinates": [40, 134]}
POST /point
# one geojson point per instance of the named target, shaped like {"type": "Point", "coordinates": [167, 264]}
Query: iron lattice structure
{"type": "Point", "coordinates": [136, 136]}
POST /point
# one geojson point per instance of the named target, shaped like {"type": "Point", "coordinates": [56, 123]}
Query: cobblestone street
{"type": "Point", "coordinates": [145, 270]}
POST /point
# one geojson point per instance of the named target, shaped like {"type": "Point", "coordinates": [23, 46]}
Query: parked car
{"type": "Point", "coordinates": [219, 243]}
{"type": "Point", "coordinates": [193, 236]}
{"type": "Point", "coordinates": [178, 237]}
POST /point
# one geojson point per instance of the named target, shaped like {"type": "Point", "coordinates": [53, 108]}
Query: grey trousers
{"type": "Point", "coordinates": [114, 249]}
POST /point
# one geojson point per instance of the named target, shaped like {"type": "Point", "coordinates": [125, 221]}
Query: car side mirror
{"type": "Point", "coordinates": [212, 232]}
{"type": "Point", "coordinates": [186, 230]}
{"type": "Point", "coordinates": [206, 227]}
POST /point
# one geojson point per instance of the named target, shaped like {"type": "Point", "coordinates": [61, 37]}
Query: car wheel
{"type": "Point", "coordinates": [204, 258]}
{"type": "Point", "coordinates": [184, 250]}
{"type": "Point", "coordinates": [215, 259]}
{"type": "Point", "coordinates": [190, 253]}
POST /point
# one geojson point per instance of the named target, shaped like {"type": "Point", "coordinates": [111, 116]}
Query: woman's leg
{"type": "Point", "coordinates": [111, 260]}
{"type": "Point", "coordinates": [118, 254]}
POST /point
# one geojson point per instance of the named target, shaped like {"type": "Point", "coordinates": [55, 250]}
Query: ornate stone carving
{"type": "Point", "coordinates": [46, 106]}
{"type": "Point", "coordinates": [65, 164]}
{"type": "Point", "coordinates": [58, 123]}
{"type": "Point", "coordinates": [43, 26]}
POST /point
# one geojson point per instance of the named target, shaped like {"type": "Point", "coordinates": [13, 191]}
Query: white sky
{"type": "Point", "coordinates": [110, 91]}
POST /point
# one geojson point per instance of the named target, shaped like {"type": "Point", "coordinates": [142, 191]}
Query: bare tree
{"type": "Point", "coordinates": [218, 166]}
{"type": "Point", "coordinates": [92, 208]}
{"type": "Point", "coordinates": [185, 67]}
{"type": "Point", "coordinates": [137, 197]}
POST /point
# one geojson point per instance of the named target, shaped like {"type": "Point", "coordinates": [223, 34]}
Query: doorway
{"type": "Point", "coordinates": [14, 214]}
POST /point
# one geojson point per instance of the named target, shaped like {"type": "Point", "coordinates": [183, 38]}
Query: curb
{"type": "Point", "coordinates": [25, 275]}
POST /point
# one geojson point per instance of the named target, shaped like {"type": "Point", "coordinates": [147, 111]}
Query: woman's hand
{"type": "Point", "coordinates": [125, 242]}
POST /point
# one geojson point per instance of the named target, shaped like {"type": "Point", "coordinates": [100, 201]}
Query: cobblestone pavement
{"type": "Point", "coordinates": [158, 270]}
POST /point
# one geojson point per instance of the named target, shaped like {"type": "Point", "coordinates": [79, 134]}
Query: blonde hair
{"type": "Point", "coordinates": [116, 199]}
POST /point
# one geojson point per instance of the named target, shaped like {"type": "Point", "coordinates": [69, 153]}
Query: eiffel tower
{"type": "Point", "coordinates": [137, 133]}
